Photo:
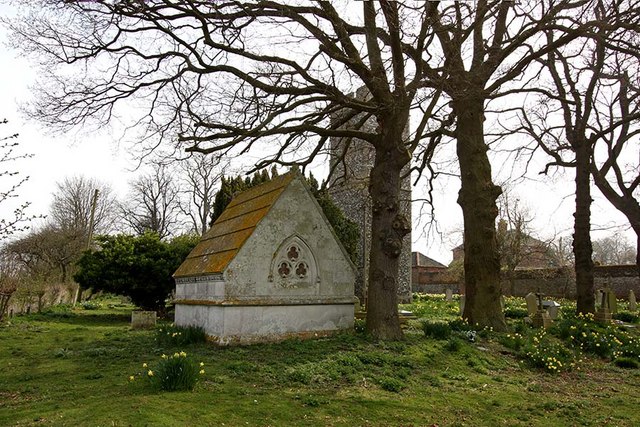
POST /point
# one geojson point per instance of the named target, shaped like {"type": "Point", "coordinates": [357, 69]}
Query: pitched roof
{"type": "Point", "coordinates": [231, 230]}
{"type": "Point", "coordinates": [418, 259]}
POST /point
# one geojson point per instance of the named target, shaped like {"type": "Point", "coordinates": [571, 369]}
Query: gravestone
{"type": "Point", "coordinates": [143, 319]}
{"type": "Point", "coordinates": [613, 301]}
{"type": "Point", "coordinates": [541, 318]}
{"type": "Point", "coordinates": [632, 301]}
{"type": "Point", "coordinates": [603, 314]}
{"type": "Point", "coordinates": [462, 300]}
{"type": "Point", "coordinates": [532, 304]}
{"type": "Point", "coordinates": [552, 308]}
{"type": "Point", "coordinates": [356, 305]}
{"type": "Point", "coordinates": [597, 297]}
{"type": "Point", "coordinates": [449, 295]}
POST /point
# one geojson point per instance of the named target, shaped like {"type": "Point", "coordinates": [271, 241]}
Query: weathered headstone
{"type": "Point", "coordinates": [632, 301]}
{"type": "Point", "coordinates": [532, 304]}
{"type": "Point", "coordinates": [502, 302]}
{"type": "Point", "coordinates": [613, 302]}
{"type": "Point", "coordinates": [541, 319]}
{"type": "Point", "coordinates": [603, 314]}
{"type": "Point", "coordinates": [449, 295]}
{"type": "Point", "coordinates": [597, 297]}
{"type": "Point", "coordinates": [462, 300]}
{"type": "Point", "coordinates": [143, 319]}
{"type": "Point", "coordinates": [356, 304]}
{"type": "Point", "coordinates": [552, 307]}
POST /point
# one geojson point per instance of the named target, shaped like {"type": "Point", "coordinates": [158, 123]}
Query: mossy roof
{"type": "Point", "coordinates": [233, 228]}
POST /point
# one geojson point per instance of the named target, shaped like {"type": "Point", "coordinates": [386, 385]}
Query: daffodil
{"type": "Point", "coordinates": [131, 378]}
{"type": "Point", "coordinates": [201, 371]}
{"type": "Point", "coordinates": [144, 365]}
{"type": "Point", "coordinates": [150, 373]}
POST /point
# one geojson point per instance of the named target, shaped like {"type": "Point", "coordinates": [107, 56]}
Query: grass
{"type": "Point", "coordinates": [72, 367]}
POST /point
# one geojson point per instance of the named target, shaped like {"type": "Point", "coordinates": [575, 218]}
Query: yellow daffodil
{"type": "Point", "coordinates": [150, 373]}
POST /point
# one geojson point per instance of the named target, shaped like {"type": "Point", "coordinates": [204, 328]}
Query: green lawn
{"type": "Point", "coordinates": [72, 367]}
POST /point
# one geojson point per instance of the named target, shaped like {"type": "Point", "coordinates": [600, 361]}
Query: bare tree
{"type": "Point", "coordinates": [19, 220]}
{"type": "Point", "coordinates": [153, 203]}
{"type": "Point", "coordinates": [48, 255]}
{"type": "Point", "coordinates": [576, 113]}
{"type": "Point", "coordinates": [615, 164]}
{"type": "Point", "coordinates": [516, 244]}
{"type": "Point", "coordinates": [9, 280]}
{"type": "Point", "coordinates": [238, 76]}
{"type": "Point", "coordinates": [72, 205]}
{"type": "Point", "coordinates": [613, 250]}
{"type": "Point", "coordinates": [201, 176]}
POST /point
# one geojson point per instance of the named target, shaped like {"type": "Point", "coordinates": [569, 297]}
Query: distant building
{"type": "Point", "coordinates": [533, 253]}
{"type": "Point", "coordinates": [430, 276]}
{"type": "Point", "coordinates": [520, 254]}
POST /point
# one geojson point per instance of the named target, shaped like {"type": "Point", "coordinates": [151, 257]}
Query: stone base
{"type": "Point", "coordinates": [603, 315]}
{"type": "Point", "coordinates": [143, 319]}
{"type": "Point", "coordinates": [541, 319]}
{"type": "Point", "coordinates": [247, 324]}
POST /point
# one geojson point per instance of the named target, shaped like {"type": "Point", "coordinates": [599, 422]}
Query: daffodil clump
{"type": "Point", "coordinates": [545, 352]}
{"type": "Point", "coordinates": [563, 346]}
{"type": "Point", "coordinates": [175, 372]}
{"type": "Point", "coordinates": [514, 341]}
{"type": "Point", "coordinates": [180, 336]}
{"type": "Point", "coordinates": [605, 341]}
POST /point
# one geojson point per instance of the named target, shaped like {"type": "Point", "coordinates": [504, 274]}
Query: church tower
{"type": "Point", "coordinates": [349, 188]}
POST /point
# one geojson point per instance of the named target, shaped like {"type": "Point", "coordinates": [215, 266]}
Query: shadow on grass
{"type": "Point", "coordinates": [82, 319]}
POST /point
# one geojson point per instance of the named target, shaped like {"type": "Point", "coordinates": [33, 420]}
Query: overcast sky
{"type": "Point", "coordinates": [100, 156]}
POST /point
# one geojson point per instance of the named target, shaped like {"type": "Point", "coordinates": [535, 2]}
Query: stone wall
{"type": "Point", "coordinates": [30, 301]}
{"type": "Point", "coordinates": [552, 282]}
{"type": "Point", "coordinates": [560, 282]}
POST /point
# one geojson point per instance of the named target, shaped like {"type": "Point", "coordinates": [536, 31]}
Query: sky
{"type": "Point", "coordinates": [100, 156]}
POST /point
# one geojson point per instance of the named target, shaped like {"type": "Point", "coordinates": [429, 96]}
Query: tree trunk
{"type": "Point", "coordinates": [388, 227]}
{"type": "Point", "coordinates": [582, 249]}
{"type": "Point", "coordinates": [477, 198]}
{"type": "Point", "coordinates": [638, 251]}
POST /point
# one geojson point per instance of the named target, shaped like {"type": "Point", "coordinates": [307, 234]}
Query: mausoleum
{"type": "Point", "coordinates": [271, 267]}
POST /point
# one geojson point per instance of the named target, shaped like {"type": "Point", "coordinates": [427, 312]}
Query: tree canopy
{"type": "Point", "coordinates": [140, 267]}
{"type": "Point", "coordinates": [281, 78]}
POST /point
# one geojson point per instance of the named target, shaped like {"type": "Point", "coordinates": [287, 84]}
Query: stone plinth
{"type": "Point", "coordinates": [143, 319]}
{"type": "Point", "coordinates": [541, 319]}
{"type": "Point", "coordinates": [603, 315]}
